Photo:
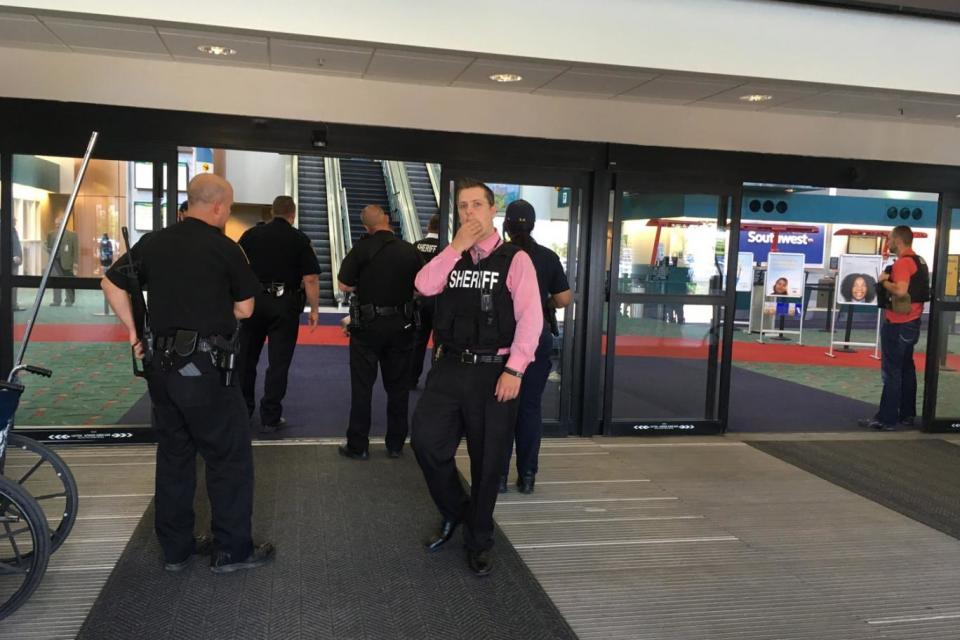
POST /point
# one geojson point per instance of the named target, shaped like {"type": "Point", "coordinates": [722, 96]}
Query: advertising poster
{"type": "Point", "coordinates": [953, 276]}
{"type": "Point", "coordinates": [857, 279]}
{"type": "Point", "coordinates": [785, 275]}
{"type": "Point", "coordinates": [744, 271]}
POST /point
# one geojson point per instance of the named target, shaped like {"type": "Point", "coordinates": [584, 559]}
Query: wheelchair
{"type": "Point", "coordinates": [38, 501]}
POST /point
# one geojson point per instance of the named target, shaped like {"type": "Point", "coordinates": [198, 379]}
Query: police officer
{"type": "Point", "coordinates": [555, 294]}
{"type": "Point", "coordinates": [487, 325]}
{"type": "Point", "coordinates": [200, 286]}
{"type": "Point", "coordinates": [283, 259]}
{"type": "Point", "coordinates": [379, 271]}
{"type": "Point", "coordinates": [427, 246]}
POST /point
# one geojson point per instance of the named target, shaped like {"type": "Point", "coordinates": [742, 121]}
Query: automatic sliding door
{"type": "Point", "coordinates": [668, 262]}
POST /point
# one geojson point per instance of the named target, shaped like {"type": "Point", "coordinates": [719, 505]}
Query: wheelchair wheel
{"type": "Point", "coordinates": [45, 476]}
{"type": "Point", "coordinates": [24, 546]}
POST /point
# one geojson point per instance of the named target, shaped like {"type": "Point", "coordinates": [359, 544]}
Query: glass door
{"type": "Point", "coordinates": [668, 334]}
{"type": "Point", "coordinates": [941, 398]}
{"type": "Point", "coordinates": [93, 394]}
{"type": "Point", "coordinates": [558, 201]}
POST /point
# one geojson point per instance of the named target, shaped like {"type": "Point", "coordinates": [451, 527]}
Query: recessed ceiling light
{"type": "Point", "coordinates": [506, 77]}
{"type": "Point", "coordinates": [756, 97]}
{"type": "Point", "coordinates": [216, 50]}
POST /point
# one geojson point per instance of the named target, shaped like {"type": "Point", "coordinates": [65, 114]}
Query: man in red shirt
{"type": "Point", "coordinates": [900, 332]}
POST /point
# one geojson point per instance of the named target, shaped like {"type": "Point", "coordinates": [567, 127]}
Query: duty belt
{"type": "Point", "coordinates": [390, 311]}
{"type": "Point", "coordinates": [275, 289]}
{"type": "Point", "coordinates": [468, 357]}
{"type": "Point", "coordinates": [166, 343]}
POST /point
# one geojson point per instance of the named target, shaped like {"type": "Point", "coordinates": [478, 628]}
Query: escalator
{"type": "Point", "coordinates": [312, 218]}
{"type": "Point", "coordinates": [424, 198]}
{"type": "Point", "coordinates": [364, 184]}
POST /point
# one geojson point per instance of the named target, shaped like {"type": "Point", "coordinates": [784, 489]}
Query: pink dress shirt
{"type": "Point", "coordinates": [521, 282]}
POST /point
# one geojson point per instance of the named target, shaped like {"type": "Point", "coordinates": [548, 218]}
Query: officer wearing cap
{"type": "Point", "coordinates": [200, 286]}
{"type": "Point", "coordinates": [554, 294]}
{"type": "Point", "coordinates": [286, 265]}
{"type": "Point", "coordinates": [487, 326]}
{"type": "Point", "coordinates": [378, 272]}
{"type": "Point", "coordinates": [427, 246]}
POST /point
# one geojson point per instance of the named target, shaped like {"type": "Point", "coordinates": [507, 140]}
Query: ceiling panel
{"type": "Point", "coordinates": [586, 81]}
{"type": "Point", "coordinates": [26, 31]}
{"type": "Point", "coordinates": [681, 88]}
{"type": "Point", "coordinates": [83, 35]}
{"type": "Point", "coordinates": [308, 56]}
{"type": "Point", "coordinates": [251, 51]}
{"type": "Point", "coordinates": [857, 102]}
{"type": "Point", "coordinates": [779, 94]}
{"type": "Point", "coordinates": [426, 68]}
{"type": "Point", "coordinates": [533, 75]}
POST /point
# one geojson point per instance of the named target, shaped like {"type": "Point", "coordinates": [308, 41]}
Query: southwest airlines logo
{"type": "Point", "coordinates": [766, 237]}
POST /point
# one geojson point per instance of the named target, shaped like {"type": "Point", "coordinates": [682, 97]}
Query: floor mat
{"type": "Point", "coordinates": [918, 478]}
{"type": "Point", "coordinates": [349, 565]}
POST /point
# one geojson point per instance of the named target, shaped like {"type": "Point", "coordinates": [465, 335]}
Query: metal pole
{"type": "Point", "coordinates": [55, 249]}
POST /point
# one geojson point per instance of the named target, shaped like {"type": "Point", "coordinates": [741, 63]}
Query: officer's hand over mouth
{"type": "Point", "coordinates": [467, 235]}
{"type": "Point", "coordinates": [508, 387]}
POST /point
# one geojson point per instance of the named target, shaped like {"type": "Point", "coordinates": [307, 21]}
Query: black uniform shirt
{"type": "Point", "coordinates": [550, 275]}
{"type": "Point", "coordinates": [428, 247]}
{"type": "Point", "coordinates": [386, 279]}
{"type": "Point", "coordinates": [194, 274]}
{"type": "Point", "coordinates": [279, 253]}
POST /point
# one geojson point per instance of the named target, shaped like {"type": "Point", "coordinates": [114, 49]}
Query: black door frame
{"type": "Point", "coordinates": [161, 157]}
{"type": "Point", "coordinates": [940, 306]}
{"type": "Point", "coordinates": [729, 194]}
{"type": "Point", "coordinates": [571, 410]}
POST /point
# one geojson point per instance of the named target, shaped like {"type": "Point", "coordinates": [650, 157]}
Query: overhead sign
{"type": "Point", "coordinates": [809, 244]}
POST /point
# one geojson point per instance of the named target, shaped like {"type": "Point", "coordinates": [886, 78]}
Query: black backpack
{"type": "Point", "coordinates": [918, 289]}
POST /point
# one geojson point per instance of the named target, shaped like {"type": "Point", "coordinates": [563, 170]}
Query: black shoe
{"type": "Point", "coordinates": [350, 453]}
{"type": "Point", "coordinates": [393, 453]}
{"type": "Point", "coordinates": [202, 546]}
{"type": "Point", "coordinates": [274, 426]}
{"type": "Point", "coordinates": [479, 562]}
{"type": "Point", "coordinates": [910, 422]}
{"type": "Point", "coordinates": [503, 484]}
{"type": "Point", "coordinates": [526, 481]}
{"type": "Point", "coordinates": [447, 527]}
{"type": "Point", "coordinates": [223, 562]}
{"type": "Point", "coordinates": [876, 425]}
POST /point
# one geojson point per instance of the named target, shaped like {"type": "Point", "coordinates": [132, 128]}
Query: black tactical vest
{"type": "Point", "coordinates": [427, 247]}
{"type": "Point", "coordinates": [461, 321]}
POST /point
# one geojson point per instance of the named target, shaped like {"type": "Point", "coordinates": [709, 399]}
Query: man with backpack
{"type": "Point", "coordinates": [901, 290]}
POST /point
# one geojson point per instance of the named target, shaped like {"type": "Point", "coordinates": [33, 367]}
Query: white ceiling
{"type": "Point", "coordinates": [460, 69]}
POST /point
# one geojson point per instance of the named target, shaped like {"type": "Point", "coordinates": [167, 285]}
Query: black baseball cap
{"type": "Point", "coordinates": [520, 215]}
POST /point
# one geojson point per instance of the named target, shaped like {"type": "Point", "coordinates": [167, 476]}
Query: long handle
{"type": "Point", "coordinates": [56, 248]}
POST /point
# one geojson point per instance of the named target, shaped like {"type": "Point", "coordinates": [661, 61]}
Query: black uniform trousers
{"type": "Point", "coordinates": [459, 400]}
{"type": "Point", "coordinates": [529, 410]}
{"type": "Point", "coordinates": [387, 342]}
{"type": "Point", "coordinates": [279, 320]}
{"type": "Point", "coordinates": [191, 414]}
{"type": "Point", "coordinates": [420, 341]}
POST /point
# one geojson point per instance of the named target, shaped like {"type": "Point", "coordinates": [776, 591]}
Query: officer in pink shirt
{"type": "Point", "coordinates": [487, 326]}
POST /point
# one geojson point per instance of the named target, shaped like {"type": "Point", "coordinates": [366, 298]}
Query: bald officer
{"type": "Point", "coordinates": [200, 285]}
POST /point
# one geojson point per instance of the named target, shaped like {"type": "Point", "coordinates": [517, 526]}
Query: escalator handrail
{"type": "Point", "coordinates": [340, 243]}
{"type": "Point", "coordinates": [401, 199]}
{"type": "Point", "coordinates": [433, 172]}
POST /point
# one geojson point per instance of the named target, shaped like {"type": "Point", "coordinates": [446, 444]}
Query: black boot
{"type": "Point", "coordinates": [526, 481]}
{"type": "Point", "coordinates": [503, 484]}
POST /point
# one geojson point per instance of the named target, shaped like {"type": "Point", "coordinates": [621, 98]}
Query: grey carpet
{"type": "Point", "coordinates": [349, 565]}
{"type": "Point", "coordinates": [918, 478]}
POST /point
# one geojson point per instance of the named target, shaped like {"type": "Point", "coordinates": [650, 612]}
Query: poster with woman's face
{"type": "Point", "coordinates": [857, 279]}
{"type": "Point", "coordinates": [785, 276]}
